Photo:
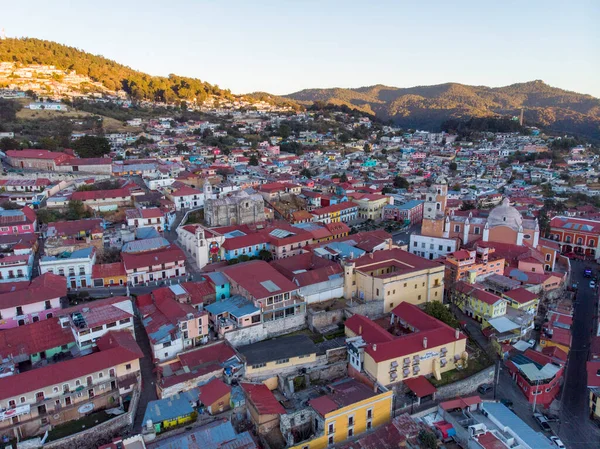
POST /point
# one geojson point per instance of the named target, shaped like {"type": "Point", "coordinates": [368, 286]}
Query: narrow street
{"type": "Point", "coordinates": [576, 429]}
{"type": "Point", "coordinates": [148, 392]}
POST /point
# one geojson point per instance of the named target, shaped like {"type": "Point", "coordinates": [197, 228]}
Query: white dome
{"type": "Point", "coordinates": [505, 215]}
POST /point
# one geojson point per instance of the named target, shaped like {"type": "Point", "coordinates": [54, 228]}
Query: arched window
{"type": "Point", "coordinates": [438, 206]}
{"type": "Point", "coordinates": [548, 256]}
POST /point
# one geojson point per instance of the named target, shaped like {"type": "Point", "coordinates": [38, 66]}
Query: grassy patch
{"type": "Point", "coordinates": [474, 366]}
{"type": "Point", "coordinates": [332, 304]}
{"type": "Point", "coordinates": [195, 217]}
{"type": "Point", "coordinates": [72, 427]}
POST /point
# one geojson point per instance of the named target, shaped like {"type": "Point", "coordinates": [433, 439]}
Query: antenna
{"type": "Point", "coordinates": [3, 34]}
{"type": "Point", "coordinates": [521, 117]}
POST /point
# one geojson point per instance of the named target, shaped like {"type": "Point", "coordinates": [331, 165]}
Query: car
{"type": "Point", "coordinates": [557, 442]}
{"type": "Point", "coordinates": [484, 388]}
{"type": "Point", "coordinates": [542, 421]}
{"type": "Point", "coordinates": [587, 272]}
{"type": "Point", "coordinates": [507, 402]}
{"type": "Point", "coordinates": [592, 284]}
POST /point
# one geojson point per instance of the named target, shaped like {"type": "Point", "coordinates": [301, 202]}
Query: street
{"type": "Point", "coordinates": [576, 429]}
{"type": "Point", "coordinates": [403, 237]}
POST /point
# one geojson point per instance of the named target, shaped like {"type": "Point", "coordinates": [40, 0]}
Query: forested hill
{"type": "Point", "coordinates": [427, 107]}
{"type": "Point", "coordinates": [111, 74]}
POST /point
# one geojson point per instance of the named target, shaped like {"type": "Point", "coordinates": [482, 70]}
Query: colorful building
{"type": "Point", "coordinates": [576, 235]}
{"type": "Point", "coordinates": [477, 303]}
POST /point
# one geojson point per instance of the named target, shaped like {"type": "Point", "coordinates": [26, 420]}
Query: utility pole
{"type": "Point", "coordinates": [496, 377]}
{"type": "Point", "coordinates": [535, 393]}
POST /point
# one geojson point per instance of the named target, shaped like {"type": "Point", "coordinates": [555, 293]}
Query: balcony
{"type": "Point", "coordinates": [293, 301]}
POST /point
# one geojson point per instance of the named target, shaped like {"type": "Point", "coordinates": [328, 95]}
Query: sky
{"type": "Point", "coordinates": [283, 46]}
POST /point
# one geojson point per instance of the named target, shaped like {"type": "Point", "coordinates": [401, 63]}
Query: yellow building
{"type": "Point", "coordinates": [394, 276]}
{"type": "Point", "coordinates": [425, 347]}
{"type": "Point", "coordinates": [478, 303]}
{"type": "Point", "coordinates": [269, 358]}
{"type": "Point", "coordinates": [349, 409]}
{"type": "Point", "coordinates": [370, 206]}
{"type": "Point", "coordinates": [522, 299]}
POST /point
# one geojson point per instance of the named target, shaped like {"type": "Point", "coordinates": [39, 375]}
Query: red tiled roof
{"type": "Point", "coordinates": [263, 399]}
{"type": "Point", "coordinates": [74, 227]}
{"type": "Point", "coordinates": [556, 353]}
{"type": "Point", "coordinates": [37, 154]}
{"type": "Point", "coordinates": [420, 386]}
{"type": "Point", "coordinates": [186, 191]}
{"type": "Point", "coordinates": [33, 338]}
{"type": "Point", "coordinates": [323, 405]}
{"type": "Point", "coordinates": [593, 373]}
{"type": "Point", "coordinates": [244, 241]}
{"type": "Point", "coordinates": [108, 270]}
{"type": "Point", "coordinates": [252, 276]}
{"type": "Point", "coordinates": [101, 194]}
{"type": "Point", "coordinates": [406, 262]}
{"type": "Point", "coordinates": [562, 222]}
{"type": "Point", "coordinates": [115, 348]}
{"type": "Point", "coordinates": [370, 331]}
{"type": "Point", "coordinates": [343, 393]}
{"type": "Point", "coordinates": [460, 403]}
{"type": "Point", "coordinates": [477, 293]}
{"type": "Point", "coordinates": [272, 187]}
{"type": "Point", "coordinates": [335, 208]}
{"type": "Point", "coordinates": [212, 391]}
{"type": "Point", "coordinates": [168, 254]}
{"type": "Point", "coordinates": [520, 295]}
{"type": "Point", "coordinates": [198, 291]}
{"type": "Point", "coordinates": [42, 288]}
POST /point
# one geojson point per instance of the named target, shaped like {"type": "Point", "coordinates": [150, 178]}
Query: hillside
{"type": "Point", "coordinates": [110, 74]}
{"type": "Point", "coordinates": [426, 107]}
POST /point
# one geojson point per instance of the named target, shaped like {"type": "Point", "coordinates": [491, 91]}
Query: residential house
{"type": "Point", "coordinates": [172, 411]}
{"type": "Point", "coordinates": [262, 408]}
{"type": "Point", "coordinates": [346, 211]}
{"type": "Point", "coordinates": [75, 266]}
{"type": "Point", "coordinates": [154, 265]}
{"type": "Point", "coordinates": [36, 159]}
{"type": "Point", "coordinates": [109, 274]}
{"type": "Point", "coordinates": [104, 200]}
{"type": "Point", "coordinates": [215, 396]}
{"type": "Point", "coordinates": [146, 217]}
{"type": "Point", "coordinates": [233, 313]}
{"type": "Point", "coordinates": [576, 235]}
{"type": "Point", "coordinates": [478, 303]}
{"type": "Point", "coordinates": [22, 221]}
{"type": "Point", "coordinates": [370, 206]}
{"type": "Point", "coordinates": [410, 213]}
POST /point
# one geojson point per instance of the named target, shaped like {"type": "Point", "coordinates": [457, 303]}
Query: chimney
{"type": "Point", "coordinates": [374, 348]}
{"type": "Point", "coordinates": [360, 330]}
{"type": "Point", "coordinates": [424, 342]}
{"type": "Point", "coordinates": [370, 255]}
{"type": "Point", "coordinates": [456, 333]}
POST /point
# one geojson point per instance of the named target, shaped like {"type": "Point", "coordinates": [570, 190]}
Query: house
{"type": "Point", "coordinates": [43, 160]}
{"type": "Point", "coordinates": [54, 393]}
{"type": "Point", "coordinates": [349, 408]}
{"type": "Point", "coordinates": [172, 411]}
{"type": "Point", "coordinates": [478, 303]}
{"type": "Point", "coordinates": [188, 197]}
{"type": "Point", "coordinates": [108, 274]}
{"type": "Point", "coordinates": [425, 347]}
{"type": "Point", "coordinates": [16, 267]}
{"type": "Point", "coordinates": [556, 331]}
{"type": "Point", "coordinates": [276, 296]}
{"type": "Point", "coordinates": [370, 206]}
{"type": "Point", "coordinates": [104, 200]}
{"type": "Point", "coordinates": [22, 221]}
{"type": "Point", "coordinates": [393, 276]}
{"type": "Point", "coordinates": [278, 356]}
{"type": "Point", "coordinates": [214, 435]}
{"type": "Point", "coordinates": [464, 265]}
{"type": "Point", "coordinates": [344, 212]}
{"type": "Point", "coordinates": [577, 235]}
{"type": "Point", "coordinates": [410, 213]}
{"type": "Point", "coordinates": [154, 265]}
{"type": "Point", "coordinates": [146, 217]}
{"type": "Point", "coordinates": [233, 313]}
{"type": "Point", "coordinates": [75, 266]}
{"type": "Point", "coordinates": [196, 366]}
{"type": "Point", "coordinates": [215, 396]}
{"type": "Point", "coordinates": [32, 302]}
{"type": "Point", "coordinates": [172, 326]}
{"type": "Point", "coordinates": [262, 408]}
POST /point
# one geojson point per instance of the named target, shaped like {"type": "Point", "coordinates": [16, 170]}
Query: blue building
{"type": "Point", "coordinates": [221, 283]}
{"type": "Point", "coordinates": [75, 266]}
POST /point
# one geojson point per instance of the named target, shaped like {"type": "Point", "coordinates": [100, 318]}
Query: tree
{"type": "Point", "coordinates": [265, 255]}
{"type": "Point", "coordinates": [181, 148]}
{"type": "Point", "coordinates": [438, 310]}
{"type": "Point", "coordinates": [8, 144]}
{"type": "Point", "coordinates": [91, 146]}
{"type": "Point", "coordinates": [284, 131]}
{"type": "Point", "coordinates": [9, 205]}
{"type": "Point", "coordinates": [253, 160]}
{"type": "Point", "coordinates": [367, 148]}
{"type": "Point", "coordinates": [453, 166]}
{"type": "Point", "coordinates": [401, 183]}
{"type": "Point", "coordinates": [387, 190]}
{"type": "Point", "coordinates": [428, 439]}
{"type": "Point", "coordinates": [344, 177]}
{"type": "Point", "coordinates": [467, 205]}
{"type": "Point", "coordinates": [306, 173]}
{"type": "Point", "coordinates": [76, 210]}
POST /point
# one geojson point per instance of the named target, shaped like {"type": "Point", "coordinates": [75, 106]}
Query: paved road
{"type": "Point", "coordinates": [148, 392]}
{"type": "Point", "coordinates": [576, 430]}
{"type": "Point", "coordinates": [404, 236]}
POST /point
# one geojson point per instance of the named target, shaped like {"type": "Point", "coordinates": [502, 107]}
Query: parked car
{"type": "Point", "coordinates": [557, 442]}
{"type": "Point", "coordinates": [587, 272]}
{"type": "Point", "coordinates": [484, 388]}
{"type": "Point", "coordinates": [592, 284]}
{"type": "Point", "coordinates": [542, 421]}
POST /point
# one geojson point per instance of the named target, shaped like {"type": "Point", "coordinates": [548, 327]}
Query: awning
{"type": "Point", "coordinates": [420, 386]}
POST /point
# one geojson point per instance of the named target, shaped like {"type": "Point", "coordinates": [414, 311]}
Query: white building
{"type": "Point", "coordinates": [431, 247]}
{"type": "Point", "coordinates": [76, 267]}
{"type": "Point", "coordinates": [150, 217]}
{"type": "Point", "coordinates": [203, 244]}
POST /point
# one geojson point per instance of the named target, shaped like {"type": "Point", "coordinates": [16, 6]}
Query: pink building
{"type": "Point", "coordinates": [24, 303]}
{"type": "Point", "coordinates": [22, 221]}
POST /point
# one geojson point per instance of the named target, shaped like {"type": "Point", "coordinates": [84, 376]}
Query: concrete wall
{"type": "Point", "coordinates": [370, 309]}
{"type": "Point", "coordinates": [466, 386]}
{"type": "Point", "coordinates": [246, 335]}
{"type": "Point", "coordinates": [318, 320]}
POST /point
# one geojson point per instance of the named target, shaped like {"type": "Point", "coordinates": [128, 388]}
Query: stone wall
{"type": "Point", "coordinates": [329, 372]}
{"type": "Point", "coordinates": [370, 309]}
{"type": "Point", "coordinates": [466, 386]}
{"type": "Point", "coordinates": [269, 329]}
{"type": "Point", "coordinates": [318, 320]}
{"type": "Point", "coordinates": [246, 335]}
{"type": "Point", "coordinates": [285, 325]}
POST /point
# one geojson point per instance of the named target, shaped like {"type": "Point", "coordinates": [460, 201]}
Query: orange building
{"type": "Point", "coordinates": [462, 265]}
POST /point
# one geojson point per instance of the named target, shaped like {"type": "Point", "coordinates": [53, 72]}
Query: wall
{"type": "Point", "coordinates": [318, 320]}
{"type": "Point", "coordinates": [246, 335]}
{"type": "Point", "coordinates": [269, 329]}
{"type": "Point", "coordinates": [466, 386]}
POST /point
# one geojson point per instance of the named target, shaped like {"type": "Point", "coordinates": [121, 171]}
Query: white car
{"type": "Point", "coordinates": [592, 284]}
{"type": "Point", "coordinates": [557, 442]}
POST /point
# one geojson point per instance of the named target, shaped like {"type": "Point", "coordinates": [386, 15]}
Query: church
{"type": "Point", "coordinates": [237, 208]}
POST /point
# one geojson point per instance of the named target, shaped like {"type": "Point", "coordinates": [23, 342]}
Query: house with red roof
{"type": "Point", "coordinates": [29, 302]}
{"type": "Point", "coordinates": [186, 197]}
{"type": "Point", "coordinates": [478, 303]}
{"type": "Point", "coordinates": [146, 217]}
{"type": "Point", "coordinates": [55, 393]}
{"type": "Point", "coordinates": [264, 410]}
{"type": "Point", "coordinates": [22, 221]}
{"type": "Point", "coordinates": [104, 200]}
{"type": "Point", "coordinates": [576, 235]}
{"type": "Point", "coordinates": [345, 211]}
{"type": "Point", "coordinates": [414, 344]}
{"type": "Point", "coordinates": [36, 159]}
{"type": "Point", "coordinates": [215, 396]}
{"type": "Point", "coordinates": [171, 322]}
{"type": "Point", "coordinates": [155, 265]}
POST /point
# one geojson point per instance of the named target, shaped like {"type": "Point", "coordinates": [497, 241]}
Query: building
{"type": "Point", "coordinates": [215, 396]}
{"type": "Point", "coordinates": [335, 213]}
{"type": "Point", "coordinates": [262, 408]}
{"type": "Point", "coordinates": [31, 302]}
{"type": "Point", "coordinates": [215, 435]}
{"type": "Point", "coordinates": [154, 265]}
{"type": "Point", "coordinates": [576, 235]}
{"type": "Point", "coordinates": [173, 411]}
{"type": "Point", "coordinates": [425, 347]}
{"type": "Point", "coordinates": [239, 207]}
{"type": "Point", "coordinates": [172, 325]}
{"type": "Point", "coordinates": [235, 312]}
{"type": "Point", "coordinates": [431, 247]}
{"type": "Point", "coordinates": [410, 213]}
{"type": "Point", "coordinates": [473, 264]}
{"type": "Point", "coordinates": [349, 408]}
{"type": "Point", "coordinates": [478, 303]}
{"type": "Point", "coordinates": [13, 222]}
{"type": "Point", "coordinates": [370, 206]}
{"type": "Point", "coordinates": [17, 267]}
{"type": "Point", "coordinates": [146, 217]}
{"type": "Point", "coordinates": [275, 295]}
{"type": "Point", "coordinates": [537, 375]}
{"type": "Point", "coordinates": [189, 197]}
{"type": "Point", "coordinates": [36, 159]}
{"type": "Point", "coordinates": [205, 245]}
{"type": "Point", "coordinates": [75, 266]}
{"type": "Point", "coordinates": [109, 274]}
{"type": "Point", "coordinates": [104, 200]}
{"type": "Point", "coordinates": [393, 276]}
{"type": "Point", "coordinates": [279, 356]}
{"type": "Point", "coordinates": [55, 393]}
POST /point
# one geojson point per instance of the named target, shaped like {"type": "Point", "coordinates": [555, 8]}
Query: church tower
{"type": "Point", "coordinates": [208, 191]}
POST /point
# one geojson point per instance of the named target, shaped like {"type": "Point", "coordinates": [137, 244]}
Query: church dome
{"type": "Point", "coordinates": [505, 215]}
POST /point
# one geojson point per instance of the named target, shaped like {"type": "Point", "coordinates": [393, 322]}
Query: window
{"type": "Point", "coordinates": [350, 432]}
{"type": "Point", "coordinates": [128, 366]}
{"type": "Point", "coordinates": [22, 399]}
{"type": "Point", "coordinates": [419, 296]}
{"type": "Point", "coordinates": [259, 365]}
{"type": "Point", "coordinates": [125, 321]}
{"type": "Point", "coordinates": [370, 413]}
{"type": "Point", "coordinates": [19, 311]}
{"type": "Point", "coordinates": [54, 389]}
{"type": "Point", "coordinates": [330, 440]}
{"type": "Point", "coordinates": [456, 228]}
{"type": "Point", "coordinates": [12, 404]}
{"type": "Point", "coordinates": [331, 429]}
{"type": "Point", "coordinates": [282, 361]}
{"type": "Point", "coordinates": [377, 292]}
{"type": "Point", "coordinates": [369, 425]}
{"type": "Point", "coordinates": [96, 329]}
{"type": "Point", "coordinates": [477, 230]}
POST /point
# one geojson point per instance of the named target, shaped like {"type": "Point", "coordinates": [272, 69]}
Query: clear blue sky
{"type": "Point", "coordinates": [282, 46]}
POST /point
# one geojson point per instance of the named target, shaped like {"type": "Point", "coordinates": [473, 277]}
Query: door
{"type": "Point", "coordinates": [73, 284]}
{"type": "Point", "coordinates": [68, 400]}
{"type": "Point", "coordinates": [83, 283]}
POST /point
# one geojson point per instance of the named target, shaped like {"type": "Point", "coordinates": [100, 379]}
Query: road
{"type": "Point", "coordinates": [404, 236]}
{"type": "Point", "coordinates": [576, 429]}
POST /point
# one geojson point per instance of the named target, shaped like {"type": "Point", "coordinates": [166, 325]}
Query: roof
{"type": "Point", "coordinates": [186, 191]}
{"type": "Point", "coordinates": [171, 253]}
{"type": "Point", "coordinates": [170, 408]}
{"type": "Point", "coordinates": [277, 349]}
{"type": "Point", "coordinates": [575, 224]}
{"type": "Point", "coordinates": [263, 399]}
{"type": "Point", "coordinates": [334, 208]}
{"type": "Point", "coordinates": [593, 374]}
{"type": "Point", "coordinates": [404, 261]}
{"type": "Point", "coordinates": [34, 338]}
{"type": "Point", "coordinates": [115, 348]}
{"type": "Point", "coordinates": [420, 386]}
{"type": "Point", "coordinates": [149, 212]}
{"type": "Point", "coordinates": [236, 305]}
{"type": "Point", "coordinates": [342, 394]}
{"type": "Point", "coordinates": [460, 403]}
{"type": "Point", "coordinates": [42, 288]}
{"type": "Point", "coordinates": [74, 227]}
{"type": "Point", "coordinates": [102, 311]}
{"type": "Point", "coordinates": [521, 295]}
{"type": "Point", "coordinates": [212, 391]}
{"type": "Point", "coordinates": [92, 195]}
{"type": "Point", "coordinates": [478, 293]}
{"type": "Point", "coordinates": [36, 154]}
{"type": "Point", "coordinates": [259, 279]}
{"type": "Point", "coordinates": [108, 270]}
{"type": "Point", "coordinates": [370, 331]}
{"type": "Point", "coordinates": [215, 435]}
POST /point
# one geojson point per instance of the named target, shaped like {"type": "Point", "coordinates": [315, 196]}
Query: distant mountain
{"type": "Point", "coordinates": [427, 107]}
